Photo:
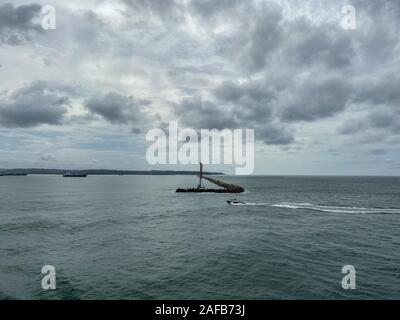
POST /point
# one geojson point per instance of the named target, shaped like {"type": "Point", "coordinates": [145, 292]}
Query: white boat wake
{"type": "Point", "coordinates": [322, 208]}
{"type": "Point", "coordinates": [336, 209]}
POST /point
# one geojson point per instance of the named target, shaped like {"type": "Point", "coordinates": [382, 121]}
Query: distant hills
{"type": "Point", "coordinates": [106, 172]}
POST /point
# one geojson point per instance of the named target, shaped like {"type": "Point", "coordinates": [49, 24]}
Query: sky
{"type": "Point", "coordinates": [322, 99]}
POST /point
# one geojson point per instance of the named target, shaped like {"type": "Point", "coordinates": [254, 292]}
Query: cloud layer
{"type": "Point", "coordinates": [284, 68]}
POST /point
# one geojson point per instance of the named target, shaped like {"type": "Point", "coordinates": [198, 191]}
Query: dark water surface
{"type": "Point", "coordinates": [133, 237]}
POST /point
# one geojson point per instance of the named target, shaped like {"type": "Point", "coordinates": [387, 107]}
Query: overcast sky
{"type": "Point", "coordinates": [322, 100]}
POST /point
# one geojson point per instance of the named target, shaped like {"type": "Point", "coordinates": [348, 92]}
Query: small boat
{"type": "Point", "coordinates": [74, 175]}
{"type": "Point", "coordinates": [235, 202]}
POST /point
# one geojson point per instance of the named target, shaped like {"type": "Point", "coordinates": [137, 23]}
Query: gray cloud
{"type": "Point", "coordinates": [376, 124]}
{"type": "Point", "coordinates": [32, 106]}
{"type": "Point", "coordinates": [119, 109]}
{"type": "Point", "coordinates": [377, 152]}
{"type": "Point", "coordinates": [48, 158]}
{"type": "Point", "coordinates": [202, 114]}
{"type": "Point", "coordinates": [382, 89]}
{"type": "Point", "coordinates": [265, 37]}
{"type": "Point", "coordinates": [326, 44]}
{"type": "Point", "coordinates": [384, 118]}
{"type": "Point", "coordinates": [239, 110]}
{"type": "Point", "coordinates": [16, 23]}
{"type": "Point", "coordinates": [316, 99]}
{"type": "Point", "coordinates": [274, 134]}
{"type": "Point", "coordinates": [169, 11]}
{"type": "Point", "coordinates": [377, 6]}
{"type": "Point", "coordinates": [351, 126]}
{"type": "Point", "coordinates": [174, 11]}
{"type": "Point", "coordinates": [207, 8]}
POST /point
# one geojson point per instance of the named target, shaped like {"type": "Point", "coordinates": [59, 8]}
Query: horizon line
{"type": "Point", "coordinates": [207, 172]}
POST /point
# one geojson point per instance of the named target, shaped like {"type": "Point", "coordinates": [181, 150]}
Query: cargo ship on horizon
{"type": "Point", "coordinates": [74, 175]}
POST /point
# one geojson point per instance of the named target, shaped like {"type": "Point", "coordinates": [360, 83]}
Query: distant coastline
{"type": "Point", "coordinates": [105, 172]}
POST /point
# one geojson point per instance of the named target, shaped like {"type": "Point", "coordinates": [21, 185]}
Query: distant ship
{"type": "Point", "coordinates": [12, 174]}
{"type": "Point", "coordinates": [74, 175]}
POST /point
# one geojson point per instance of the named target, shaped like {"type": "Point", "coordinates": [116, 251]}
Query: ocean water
{"type": "Point", "coordinates": [133, 237]}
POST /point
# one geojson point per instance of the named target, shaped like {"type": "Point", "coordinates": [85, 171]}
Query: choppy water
{"type": "Point", "coordinates": [133, 237]}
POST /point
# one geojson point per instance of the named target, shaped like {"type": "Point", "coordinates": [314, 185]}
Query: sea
{"type": "Point", "coordinates": [133, 237]}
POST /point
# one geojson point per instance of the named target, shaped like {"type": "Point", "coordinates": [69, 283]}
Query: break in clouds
{"type": "Point", "coordinates": [319, 97]}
